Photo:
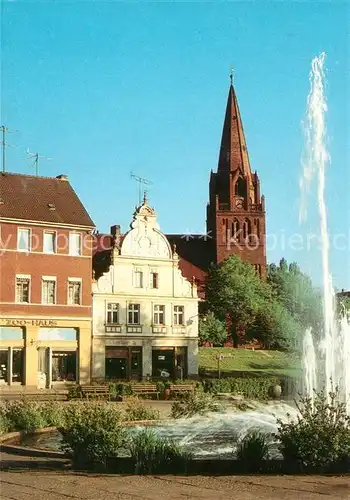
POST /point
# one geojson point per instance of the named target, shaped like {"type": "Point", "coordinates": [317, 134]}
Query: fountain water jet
{"type": "Point", "coordinates": [328, 364]}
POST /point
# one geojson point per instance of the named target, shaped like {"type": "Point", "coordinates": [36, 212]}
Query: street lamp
{"type": "Point", "coordinates": [219, 358]}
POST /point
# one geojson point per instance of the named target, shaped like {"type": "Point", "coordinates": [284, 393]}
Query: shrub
{"type": "Point", "coordinates": [196, 403]}
{"type": "Point", "coordinates": [117, 389]}
{"type": "Point", "coordinates": [136, 410]}
{"type": "Point", "coordinates": [249, 387]}
{"type": "Point", "coordinates": [320, 437]}
{"type": "Point", "coordinates": [92, 434]}
{"type": "Point", "coordinates": [152, 454]}
{"type": "Point", "coordinates": [75, 392]}
{"type": "Point", "coordinates": [24, 416]}
{"type": "Point", "coordinates": [4, 424]}
{"type": "Point", "coordinates": [252, 450]}
{"type": "Point", "coordinates": [28, 415]}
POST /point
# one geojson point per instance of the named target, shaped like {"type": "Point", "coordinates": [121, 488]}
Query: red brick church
{"type": "Point", "coordinates": [236, 209]}
{"type": "Point", "coordinates": [235, 212]}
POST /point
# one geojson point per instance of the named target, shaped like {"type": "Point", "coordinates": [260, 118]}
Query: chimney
{"type": "Point", "coordinates": [62, 177]}
{"type": "Point", "coordinates": [115, 230]}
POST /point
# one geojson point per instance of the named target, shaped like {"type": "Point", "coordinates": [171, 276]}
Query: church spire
{"type": "Point", "coordinates": [233, 150]}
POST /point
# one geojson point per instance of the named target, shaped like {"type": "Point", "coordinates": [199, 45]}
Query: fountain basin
{"type": "Point", "coordinates": [213, 436]}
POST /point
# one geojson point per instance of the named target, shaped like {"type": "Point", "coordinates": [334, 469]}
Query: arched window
{"type": "Point", "coordinates": [247, 228]}
{"type": "Point", "coordinates": [235, 229]}
{"type": "Point", "coordinates": [240, 187]}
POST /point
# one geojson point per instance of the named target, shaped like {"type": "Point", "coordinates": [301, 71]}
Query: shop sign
{"type": "Point", "coordinates": [29, 322]}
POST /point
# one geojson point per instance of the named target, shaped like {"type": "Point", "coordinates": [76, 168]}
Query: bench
{"type": "Point", "coordinates": [181, 388]}
{"type": "Point", "coordinates": [145, 389]}
{"type": "Point", "coordinates": [95, 391]}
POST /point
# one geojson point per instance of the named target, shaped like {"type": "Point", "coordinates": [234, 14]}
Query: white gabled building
{"type": "Point", "coordinates": [145, 313]}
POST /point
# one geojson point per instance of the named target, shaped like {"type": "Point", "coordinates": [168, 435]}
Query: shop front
{"type": "Point", "coordinates": [42, 353]}
{"type": "Point", "coordinates": [169, 362]}
{"type": "Point", "coordinates": [123, 363]}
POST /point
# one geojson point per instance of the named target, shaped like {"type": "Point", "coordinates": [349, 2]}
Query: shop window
{"type": "Point", "coordinates": [11, 333]}
{"type": "Point", "coordinates": [74, 292]}
{"type": "Point", "coordinates": [49, 242]}
{"type": "Point", "coordinates": [22, 289]}
{"type": "Point", "coordinates": [159, 315]}
{"type": "Point", "coordinates": [48, 291]}
{"type": "Point", "coordinates": [23, 240]}
{"type": "Point", "coordinates": [17, 365]}
{"type": "Point", "coordinates": [134, 314]}
{"type": "Point", "coordinates": [64, 366]}
{"type": "Point", "coordinates": [116, 363]}
{"type": "Point", "coordinates": [57, 334]}
{"type": "Point", "coordinates": [4, 375]}
{"type": "Point", "coordinates": [179, 316]}
{"type": "Point", "coordinates": [163, 363]}
{"type": "Point", "coordinates": [112, 313]}
{"type": "Point", "coordinates": [74, 244]}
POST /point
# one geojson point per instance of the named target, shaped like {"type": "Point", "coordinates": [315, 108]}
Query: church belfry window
{"type": "Point", "coordinates": [240, 187]}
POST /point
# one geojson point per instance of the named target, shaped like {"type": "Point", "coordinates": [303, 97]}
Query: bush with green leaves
{"type": "Point", "coordinates": [117, 389]}
{"type": "Point", "coordinates": [136, 410]}
{"type": "Point", "coordinates": [25, 415]}
{"type": "Point", "coordinates": [154, 455]}
{"type": "Point", "coordinates": [92, 433]}
{"type": "Point", "coordinates": [249, 387]}
{"type": "Point", "coordinates": [319, 439]}
{"type": "Point", "coordinates": [196, 403]}
{"type": "Point", "coordinates": [252, 450]}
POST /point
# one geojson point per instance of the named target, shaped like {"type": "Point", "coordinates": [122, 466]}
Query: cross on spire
{"type": "Point", "coordinates": [231, 75]}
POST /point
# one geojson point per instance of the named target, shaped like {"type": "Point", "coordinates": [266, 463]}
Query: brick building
{"type": "Point", "coordinates": [45, 282]}
{"type": "Point", "coordinates": [235, 212]}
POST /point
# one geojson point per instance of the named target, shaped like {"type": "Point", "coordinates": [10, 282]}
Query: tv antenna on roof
{"type": "Point", "coordinates": [141, 182]}
{"type": "Point", "coordinates": [36, 157]}
{"type": "Point", "coordinates": [4, 144]}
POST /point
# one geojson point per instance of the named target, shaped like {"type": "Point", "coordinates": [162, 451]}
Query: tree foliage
{"type": "Point", "coordinates": [212, 330]}
{"type": "Point", "coordinates": [294, 291]}
{"type": "Point", "coordinates": [275, 311]}
{"type": "Point", "coordinates": [235, 289]}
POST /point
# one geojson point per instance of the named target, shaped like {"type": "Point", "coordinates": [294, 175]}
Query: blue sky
{"type": "Point", "coordinates": [105, 88]}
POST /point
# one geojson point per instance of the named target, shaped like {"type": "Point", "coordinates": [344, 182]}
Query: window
{"type": "Point", "coordinates": [22, 289]}
{"type": "Point", "coordinates": [74, 292]}
{"type": "Point", "coordinates": [48, 291]}
{"type": "Point", "coordinates": [23, 240]}
{"type": "Point", "coordinates": [158, 315]}
{"type": "Point", "coordinates": [49, 242]}
{"type": "Point", "coordinates": [154, 279]}
{"type": "Point", "coordinates": [138, 278]}
{"type": "Point", "coordinates": [112, 313]}
{"type": "Point", "coordinates": [134, 314]}
{"type": "Point", "coordinates": [178, 315]}
{"type": "Point", "coordinates": [74, 244]}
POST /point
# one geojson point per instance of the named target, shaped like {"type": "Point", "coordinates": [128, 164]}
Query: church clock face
{"type": "Point", "coordinates": [239, 203]}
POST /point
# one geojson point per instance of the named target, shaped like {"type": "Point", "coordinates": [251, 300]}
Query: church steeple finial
{"type": "Point", "coordinates": [231, 76]}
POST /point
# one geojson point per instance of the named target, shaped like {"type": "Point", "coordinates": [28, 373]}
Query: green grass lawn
{"type": "Point", "coordinates": [238, 361]}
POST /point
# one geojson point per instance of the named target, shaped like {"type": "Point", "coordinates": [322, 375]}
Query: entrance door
{"type": "Point", "coordinates": [116, 368]}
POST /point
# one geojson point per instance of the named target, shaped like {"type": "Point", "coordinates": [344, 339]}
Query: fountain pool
{"type": "Point", "coordinates": [211, 436]}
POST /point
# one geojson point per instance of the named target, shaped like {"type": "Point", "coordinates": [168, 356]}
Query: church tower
{"type": "Point", "coordinates": [236, 209]}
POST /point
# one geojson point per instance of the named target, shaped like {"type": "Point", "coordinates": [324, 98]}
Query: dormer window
{"type": "Point", "coordinates": [51, 206]}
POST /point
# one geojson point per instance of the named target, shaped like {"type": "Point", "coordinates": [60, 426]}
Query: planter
{"type": "Point", "coordinates": [275, 391]}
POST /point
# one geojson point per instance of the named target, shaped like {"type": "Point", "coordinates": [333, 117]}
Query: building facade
{"type": "Point", "coordinates": [45, 282]}
{"type": "Point", "coordinates": [236, 218]}
{"type": "Point", "coordinates": [145, 313]}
